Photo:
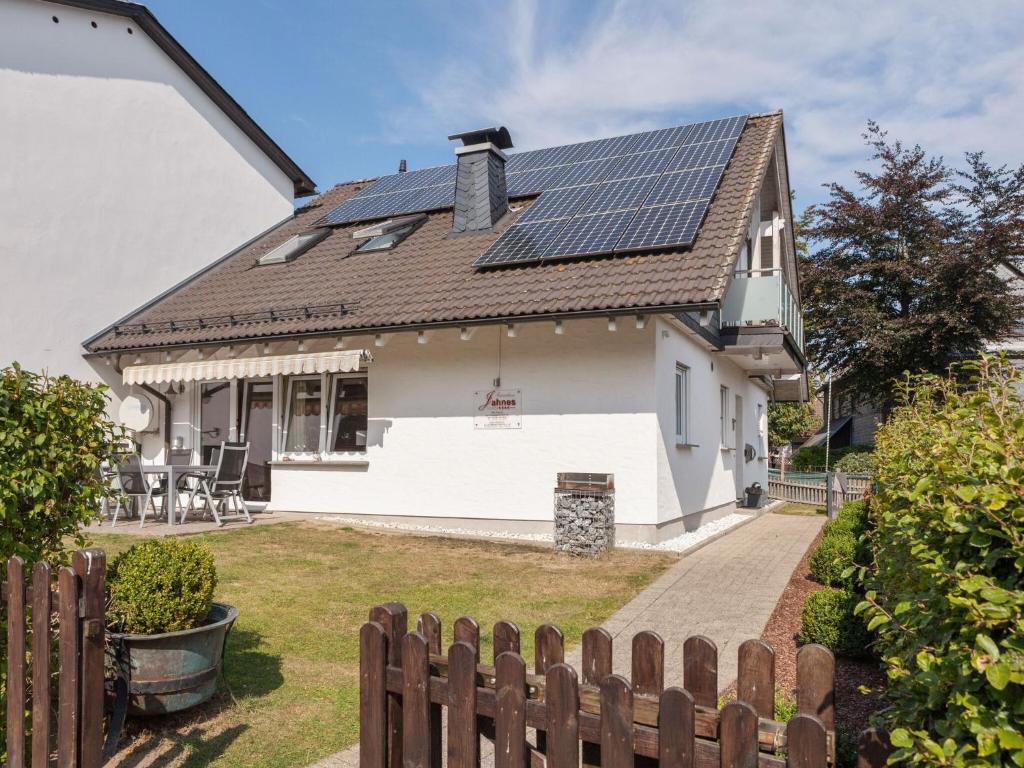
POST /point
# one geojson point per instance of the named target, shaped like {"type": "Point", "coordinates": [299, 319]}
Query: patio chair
{"type": "Point", "coordinates": [132, 483]}
{"type": "Point", "coordinates": [223, 485]}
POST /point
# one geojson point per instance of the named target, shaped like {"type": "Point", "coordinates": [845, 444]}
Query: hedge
{"type": "Point", "coordinates": [813, 457]}
{"type": "Point", "coordinates": [833, 556]}
{"type": "Point", "coordinates": [828, 618]}
{"type": "Point", "coordinates": [944, 595]}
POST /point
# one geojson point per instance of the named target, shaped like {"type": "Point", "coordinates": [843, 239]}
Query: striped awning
{"type": "Point", "coordinates": [338, 361]}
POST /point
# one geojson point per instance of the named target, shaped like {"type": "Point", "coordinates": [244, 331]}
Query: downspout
{"type": "Point", "coordinates": [167, 408]}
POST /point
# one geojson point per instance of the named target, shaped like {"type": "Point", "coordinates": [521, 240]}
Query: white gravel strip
{"type": "Point", "coordinates": [690, 539]}
{"type": "Point", "coordinates": [680, 543]}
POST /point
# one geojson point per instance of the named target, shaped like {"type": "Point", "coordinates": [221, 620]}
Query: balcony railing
{"type": "Point", "coordinates": [761, 297]}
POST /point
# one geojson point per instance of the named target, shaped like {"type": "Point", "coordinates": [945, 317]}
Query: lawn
{"type": "Point", "coordinates": [304, 589]}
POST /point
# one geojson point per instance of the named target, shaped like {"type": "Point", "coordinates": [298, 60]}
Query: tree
{"type": "Point", "coordinates": [788, 421]}
{"type": "Point", "coordinates": [902, 275]}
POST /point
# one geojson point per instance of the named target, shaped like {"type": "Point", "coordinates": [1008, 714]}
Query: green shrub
{"type": "Point", "coordinates": [813, 457]}
{"type": "Point", "coordinates": [853, 515]}
{"type": "Point", "coordinates": [945, 595]}
{"type": "Point", "coordinates": [834, 554]}
{"type": "Point", "coordinates": [828, 619]}
{"type": "Point", "coordinates": [162, 585]}
{"type": "Point", "coordinates": [54, 434]}
{"type": "Point", "coordinates": [856, 463]}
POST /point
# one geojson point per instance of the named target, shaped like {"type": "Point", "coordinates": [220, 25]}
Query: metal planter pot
{"type": "Point", "coordinates": [173, 671]}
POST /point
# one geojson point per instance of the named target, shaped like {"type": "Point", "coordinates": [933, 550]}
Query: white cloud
{"type": "Point", "coordinates": [947, 75]}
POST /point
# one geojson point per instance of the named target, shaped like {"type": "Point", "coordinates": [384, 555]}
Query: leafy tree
{"type": "Point", "coordinates": [902, 273]}
{"type": "Point", "coordinates": [788, 421]}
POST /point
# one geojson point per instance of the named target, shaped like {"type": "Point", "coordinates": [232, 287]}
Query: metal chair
{"type": "Point", "coordinates": [224, 484]}
{"type": "Point", "coordinates": [132, 483]}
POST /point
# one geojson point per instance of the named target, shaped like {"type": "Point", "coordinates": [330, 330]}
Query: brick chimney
{"type": "Point", "coordinates": [480, 194]}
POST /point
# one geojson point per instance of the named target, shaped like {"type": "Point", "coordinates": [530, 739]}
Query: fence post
{"type": "Point", "coordinates": [91, 567]}
{"type": "Point", "coordinates": [394, 618]}
{"type": "Point", "coordinates": [830, 511]}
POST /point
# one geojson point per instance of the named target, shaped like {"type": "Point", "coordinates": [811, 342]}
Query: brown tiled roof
{"type": "Point", "coordinates": [429, 278]}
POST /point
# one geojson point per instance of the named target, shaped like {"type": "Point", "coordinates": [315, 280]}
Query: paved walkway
{"type": "Point", "coordinates": [727, 591]}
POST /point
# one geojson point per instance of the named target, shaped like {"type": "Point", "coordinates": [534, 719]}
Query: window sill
{"type": "Point", "coordinates": [680, 443]}
{"type": "Point", "coordinates": [725, 448]}
{"type": "Point", "coordinates": [322, 462]}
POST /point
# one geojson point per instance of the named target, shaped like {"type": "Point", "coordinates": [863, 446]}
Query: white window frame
{"type": "Point", "coordinates": [286, 424]}
{"type": "Point", "coordinates": [724, 423]}
{"type": "Point", "coordinates": [329, 445]}
{"type": "Point", "coordinates": [681, 392]}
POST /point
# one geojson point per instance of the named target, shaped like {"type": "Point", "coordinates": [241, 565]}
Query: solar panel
{"type": "Point", "coordinates": [646, 164]}
{"type": "Point", "coordinates": [558, 203]}
{"type": "Point", "coordinates": [521, 243]}
{"type": "Point", "coordinates": [586, 235]}
{"type": "Point", "coordinates": [660, 139]}
{"type": "Point", "coordinates": [702, 155]}
{"type": "Point", "coordinates": [681, 186]}
{"type": "Point", "coordinates": [714, 130]}
{"type": "Point", "coordinates": [665, 225]}
{"type": "Point", "coordinates": [625, 194]}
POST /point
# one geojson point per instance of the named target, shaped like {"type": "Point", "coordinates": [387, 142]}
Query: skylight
{"type": "Point", "coordinates": [293, 247]}
{"type": "Point", "coordinates": [387, 234]}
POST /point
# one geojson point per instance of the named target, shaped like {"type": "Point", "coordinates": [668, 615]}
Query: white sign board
{"type": "Point", "coordinates": [498, 409]}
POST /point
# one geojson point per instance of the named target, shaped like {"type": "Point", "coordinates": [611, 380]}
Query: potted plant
{"type": "Point", "coordinates": [166, 635]}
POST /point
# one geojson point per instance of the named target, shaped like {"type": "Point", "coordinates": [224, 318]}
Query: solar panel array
{"type": "Point", "coordinates": [645, 190]}
{"type": "Point", "coordinates": [652, 194]}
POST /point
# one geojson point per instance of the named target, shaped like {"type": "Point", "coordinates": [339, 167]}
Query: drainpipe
{"type": "Point", "coordinates": [167, 409]}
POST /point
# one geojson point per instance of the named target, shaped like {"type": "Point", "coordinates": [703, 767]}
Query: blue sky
{"type": "Point", "coordinates": [347, 89]}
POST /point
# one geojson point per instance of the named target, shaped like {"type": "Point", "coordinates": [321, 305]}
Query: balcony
{"type": "Point", "coordinates": [761, 323]}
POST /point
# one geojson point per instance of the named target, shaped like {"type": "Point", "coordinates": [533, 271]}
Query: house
{"type": "Point", "coordinates": [436, 346]}
{"type": "Point", "coordinates": [126, 169]}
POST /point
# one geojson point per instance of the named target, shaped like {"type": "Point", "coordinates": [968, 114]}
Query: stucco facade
{"type": "Point", "coordinates": [121, 177]}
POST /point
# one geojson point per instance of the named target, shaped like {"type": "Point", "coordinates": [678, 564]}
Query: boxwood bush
{"type": "Point", "coordinates": [834, 555]}
{"type": "Point", "coordinates": [161, 585]}
{"type": "Point", "coordinates": [813, 457]}
{"type": "Point", "coordinates": [945, 596]}
{"type": "Point", "coordinates": [828, 618]}
{"type": "Point", "coordinates": [856, 463]}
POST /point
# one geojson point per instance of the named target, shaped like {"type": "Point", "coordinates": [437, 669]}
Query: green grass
{"type": "Point", "coordinates": [304, 589]}
{"type": "Point", "coordinates": [793, 508]}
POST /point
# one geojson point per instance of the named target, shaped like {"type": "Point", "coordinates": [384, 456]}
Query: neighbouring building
{"type": "Point", "coordinates": [436, 346]}
{"type": "Point", "coordinates": [126, 168]}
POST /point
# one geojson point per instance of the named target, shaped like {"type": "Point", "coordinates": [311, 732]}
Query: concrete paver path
{"type": "Point", "coordinates": [727, 591]}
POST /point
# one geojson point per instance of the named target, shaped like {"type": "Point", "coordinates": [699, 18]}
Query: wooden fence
{"type": "Point", "coordinates": [813, 487]}
{"type": "Point", "coordinates": [77, 600]}
{"type": "Point", "coordinates": [602, 719]}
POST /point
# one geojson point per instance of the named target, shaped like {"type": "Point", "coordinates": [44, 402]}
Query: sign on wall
{"type": "Point", "coordinates": [498, 409]}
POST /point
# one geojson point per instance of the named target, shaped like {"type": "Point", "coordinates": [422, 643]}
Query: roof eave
{"type": "Point", "coordinates": [303, 185]}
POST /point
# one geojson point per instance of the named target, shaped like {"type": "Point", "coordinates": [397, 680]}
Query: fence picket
{"type": "Point", "coordinates": [616, 722]}
{"type": "Point", "coordinates": [16, 662]}
{"type": "Point", "coordinates": [506, 638]}
{"type": "Point", "coordinates": [700, 670]}
{"type": "Point", "coordinates": [467, 630]}
{"type": "Point", "coordinates": [806, 742]}
{"type": "Point", "coordinates": [510, 723]}
{"type": "Point", "coordinates": [394, 618]}
{"type": "Point", "coordinates": [676, 729]}
{"type": "Point", "coordinates": [373, 699]}
{"type": "Point", "coordinates": [463, 741]}
{"type": "Point", "coordinates": [562, 701]}
{"type": "Point", "coordinates": [68, 587]}
{"type": "Point", "coordinates": [756, 677]}
{"type": "Point", "coordinates": [40, 664]}
{"type": "Point", "coordinates": [815, 683]}
{"type": "Point", "coordinates": [873, 748]}
{"type": "Point", "coordinates": [91, 567]}
{"type": "Point", "coordinates": [738, 736]}
{"type": "Point", "coordinates": [416, 701]}
{"type": "Point", "coordinates": [430, 625]}
{"type": "Point", "coordinates": [648, 667]}
{"type": "Point", "coordinates": [548, 650]}
{"type": "Point", "coordinates": [597, 665]}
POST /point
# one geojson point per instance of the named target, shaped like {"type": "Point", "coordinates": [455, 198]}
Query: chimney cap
{"type": "Point", "coordinates": [499, 137]}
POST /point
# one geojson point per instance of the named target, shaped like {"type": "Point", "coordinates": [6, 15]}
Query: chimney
{"type": "Point", "coordinates": [480, 194]}
{"type": "Point", "coordinates": [401, 166]}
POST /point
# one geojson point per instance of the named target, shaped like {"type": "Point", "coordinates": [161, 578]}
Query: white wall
{"type": "Point", "coordinates": [119, 178]}
{"type": "Point", "coordinates": [699, 477]}
{"type": "Point", "coordinates": [588, 406]}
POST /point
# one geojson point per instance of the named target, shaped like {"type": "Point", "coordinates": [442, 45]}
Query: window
{"type": "Point", "coordinates": [682, 403]}
{"type": "Point", "coordinates": [302, 417]}
{"type": "Point", "coordinates": [347, 431]}
{"type": "Point", "coordinates": [293, 247]}
{"type": "Point", "coordinates": [724, 416]}
{"type": "Point", "coordinates": [388, 234]}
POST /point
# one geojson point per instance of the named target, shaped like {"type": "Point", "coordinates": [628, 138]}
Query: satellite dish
{"type": "Point", "coordinates": [137, 413]}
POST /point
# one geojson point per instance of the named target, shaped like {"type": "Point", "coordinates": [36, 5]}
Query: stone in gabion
{"type": "Point", "coordinates": [584, 522]}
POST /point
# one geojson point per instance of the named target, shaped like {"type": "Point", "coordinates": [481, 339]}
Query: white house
{"type": "Point", "coordinates": [126, 168]}
{"type": "Point", "coordinates": [438, 345]}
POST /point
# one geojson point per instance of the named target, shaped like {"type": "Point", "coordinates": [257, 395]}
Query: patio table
{"type": "Point", "coordinates": [173, 472]}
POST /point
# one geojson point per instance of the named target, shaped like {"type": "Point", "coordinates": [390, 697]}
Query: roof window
{"type": "Point", "coordinates": [293, 247]}
{"type": "Point", "coordinates": [387, 234]}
